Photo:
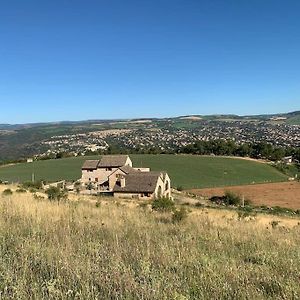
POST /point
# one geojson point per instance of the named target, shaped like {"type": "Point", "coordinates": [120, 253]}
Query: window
{"type": "Point", "coordinates": [108, 169]}
{"type": "Point", "coordinates": [159, 192]}
{"type": "Point", "coordinates": [96, 179]}
{"type": "Point", "coordinates": [167, 185]}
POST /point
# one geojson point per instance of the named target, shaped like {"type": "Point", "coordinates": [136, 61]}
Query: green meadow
{"type": "Point", "coordinates": [187, 171]}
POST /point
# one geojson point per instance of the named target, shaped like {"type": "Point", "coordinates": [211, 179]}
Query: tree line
{"type": "Point", "coordinates": [260, 150]}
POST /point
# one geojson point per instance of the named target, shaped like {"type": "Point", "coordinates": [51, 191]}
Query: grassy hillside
{"type": "Point", "coordinates": [295, 120]}
{"type": "Point", "coordinates": [76, 250]}
{"type": "Point", "coordinates": [185, 170]}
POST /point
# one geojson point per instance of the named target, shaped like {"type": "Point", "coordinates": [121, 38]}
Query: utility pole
{"type": "Point", "coordinates": [32, 175]}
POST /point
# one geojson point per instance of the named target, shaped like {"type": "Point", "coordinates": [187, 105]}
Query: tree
{"type": "Point", "coordinates": [55, 193]}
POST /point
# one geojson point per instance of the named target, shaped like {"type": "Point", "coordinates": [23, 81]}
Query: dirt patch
{"type": "Point", "coordinates": [283, 194]}
{"type": "Point", "coordinates": [193, 118]}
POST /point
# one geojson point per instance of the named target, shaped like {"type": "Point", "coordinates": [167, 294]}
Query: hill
{"type": "Point", "coordinates": [26, 140]}
{"type": "Point", "coordinates": [187, 171]}
{"type": "Point", "coordinates": [120, 250]}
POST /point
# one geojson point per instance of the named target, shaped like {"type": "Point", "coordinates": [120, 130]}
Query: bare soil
{"type": "Point", "coordinates": [283, 194]}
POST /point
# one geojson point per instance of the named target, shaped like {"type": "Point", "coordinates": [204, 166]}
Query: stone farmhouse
{"type": "Point", "coordinates": [115, 174]}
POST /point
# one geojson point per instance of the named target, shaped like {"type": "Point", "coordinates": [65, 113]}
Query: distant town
{"type": "Point", "coordinates": [170, 138]}
{"type": "Point", "coordinates": [168, 135]}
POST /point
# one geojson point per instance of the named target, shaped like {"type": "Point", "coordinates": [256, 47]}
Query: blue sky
{"type": "Point", "coordinates": [76, 60]}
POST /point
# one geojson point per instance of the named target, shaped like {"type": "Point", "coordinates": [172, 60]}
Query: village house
{"type": "Point", "coordinates": [115, 174]}
{"type": "Point", "coordinates": [287, 159]}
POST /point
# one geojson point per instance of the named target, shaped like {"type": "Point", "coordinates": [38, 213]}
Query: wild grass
{"type": "Point", "coordinates": [77, 250]}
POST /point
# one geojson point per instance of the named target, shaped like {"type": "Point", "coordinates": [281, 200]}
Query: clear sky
{"type": "Point", "coordinates": [94, 59]}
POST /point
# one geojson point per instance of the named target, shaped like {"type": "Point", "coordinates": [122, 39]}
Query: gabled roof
{"type": "Point", "coordinates": [112, 161]}
{"type": "Point", "coordinates": [90, 165]}
{"type": "Point", "coordinates": [139, 182]}
{"type": "Point", "coordinates": [125, 170]}
{"type": "Point", "coordinates": [128, 169]}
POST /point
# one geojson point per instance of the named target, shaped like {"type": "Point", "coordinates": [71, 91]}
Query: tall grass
{"type": "Point", "coordinates": [79, 251]}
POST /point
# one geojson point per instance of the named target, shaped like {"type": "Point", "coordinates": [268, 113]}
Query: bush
{"type": "Point", "coordinates": [274, 224]}
{"type": "Point", "coordinates": [247, 202]}
{"type": "Point", "coordinates": [228, 199]}
{"type": "Point", "coordinates": [179, 215]}
{"type": "Point", "coordinates": [21, 190]}
{"type": "Point", "coordinates": [232, 199]}
{"type": "Point", "coordinates": [7, 192]}
{"type": "Point", "coordinates": [55, 193]}
{"type": "Point", "coordinates": [33, 185]}
{"type": "Point", "coordinates": [180, 188]}
{"type": "Point", "coordinates": [38, 197]}
{"type": "Point", "coordinates": [217, 199]}
{"type": "Point", "coordinates": [163, 204]}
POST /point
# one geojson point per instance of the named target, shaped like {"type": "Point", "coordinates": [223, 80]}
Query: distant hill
{"type": "Point", "coordinates": [292, 118]}
{"type": "Point", "coordinates": [25, 140]}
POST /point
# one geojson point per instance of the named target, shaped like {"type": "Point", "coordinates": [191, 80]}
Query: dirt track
{"type": "Point", "coordinates": [284, 194]}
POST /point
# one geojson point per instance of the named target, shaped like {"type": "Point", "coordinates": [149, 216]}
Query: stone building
{"type": "Point", "coordinates": [115, 174]}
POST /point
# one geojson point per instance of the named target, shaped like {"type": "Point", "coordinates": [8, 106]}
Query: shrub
{"type": "Point", "coordinates": [33, 185]}
{"type": "Point", "coordinates": [55, 193]}
{"type": "Point", "coordinates": [7, 192]}
{"type": "Point", "coordinates": [217, 199]}
{"type": "Point", "coordinates": [242, 214]}
{"type": "Point", "coordinates": [21, 190]}
{"type": "Point", "coordinates": [179, 215]}
{"type": "Point", "coordinates": [274, 224]}
{"type": "Point", "coordinates": [163, 204]}
{"type": "Point", "coordinates": [247, 202]}
{"type": "Point", "coordinates": [228, 199]}
{"type": "Point", "coordinates": [180, 188]}
{"type": "Point", "coordinates": [77, 186]}
{"type": "Point", "coordinates": [38, 197]}
{"type": "Point", "coordinates": [277, 210]}
{"type": "Point", "coordinates": [89, 186]}
{"type": "Point", "coordinates": [232, 199]}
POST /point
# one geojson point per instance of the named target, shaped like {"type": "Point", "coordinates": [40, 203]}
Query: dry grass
{"type": "Point", "coordinates": [76, 250]}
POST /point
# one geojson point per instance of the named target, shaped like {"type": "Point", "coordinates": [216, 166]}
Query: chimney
{"type": "Point", "coordinates": [122, 182]}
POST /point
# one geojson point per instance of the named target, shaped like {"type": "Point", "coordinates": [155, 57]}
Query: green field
{"type": "Point", "coordinates": [187, 171]}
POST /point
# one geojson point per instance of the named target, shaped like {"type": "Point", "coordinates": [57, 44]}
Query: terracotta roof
{"type": "Point", "coordinates": [139, 182]}
{"type": "Point", "coordinates": [112, 161]}
{"type": "Point", "coordinates": [90, 165]}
